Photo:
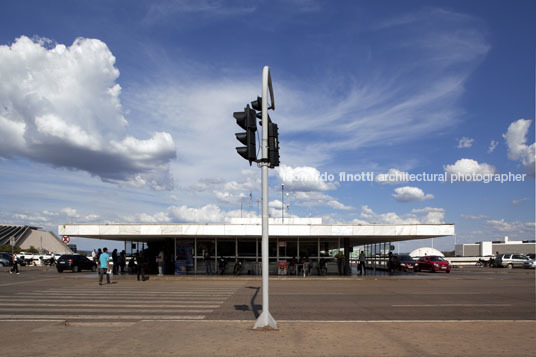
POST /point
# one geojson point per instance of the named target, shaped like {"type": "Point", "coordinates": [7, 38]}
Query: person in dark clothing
{"type": "Point", "coordinates": [15, 267]}
{"type": "Point", "coordinates": [122, 261]}
{"type": "Point", "coordinates": [292, 266]}
{"type": "Point", "coordinates": [208, 262]}
{"type": "Point", "coordinates": [115, 260]}
{"type": "Point", "coordinates": [340, 262]}
{"type": "Point", "coordinates": [322, 267]}
{"type": "Point", "coordinates": [97, 257]}
{"type": "Point", "coordinates": [141, 262]}
{"type": "Point", "coordinates": [362, 262]}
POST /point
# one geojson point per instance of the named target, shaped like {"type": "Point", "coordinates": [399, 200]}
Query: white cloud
{"type": "Point", "coordinates": [166, 11]}
{"type": "Point", "coordinates": [205, 214]}
{"type": "Point", "coordinates": [433, 215]}
{"type": "Point", "coordinates": [410, 194]}
{"type": "Point", "coordinates": [48, 219]}
{"type": "Point", "coordinates": [518, 150]}
{"type": "Point", "coordinates": [210, 213]}
{"type": "Point", "coordinates": [61, 106]}
{"type": "Point", "coordinates": [70, 212]}
{"type": "Point", "coordinates": [428, 215]}
{"type": "Point", "coordinates": [29, 219]}
{"type": "Point", "coordinates": [304, 178]}
{"type": "Point", "coordinates": [228, 197]}
{"type": "Point", "coordinates": [473, 217]}
{"type": "Point", "coordinates": [275, 204]}
{"type": "Point", "coordinates": [515, 228]}
{"type": "Point", "coordinates": [492, 145]}
{"type": "Point", "coordinates": [312, 198]}
{"type": "Point", "coordinates": [516, 202]}
{"type": "Point", "coordinates": [468, 167]}
{"type": "Point", "coordinates": [465, 142]}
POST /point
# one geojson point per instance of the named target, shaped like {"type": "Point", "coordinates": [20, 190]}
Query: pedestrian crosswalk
{"type": "Point", "coordinates": [114, 302]}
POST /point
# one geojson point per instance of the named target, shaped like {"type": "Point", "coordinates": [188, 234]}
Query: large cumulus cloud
{"type": "Point", "coordinates": [61, 106]}
{"type": "Point", "coordinates": [516, 141]}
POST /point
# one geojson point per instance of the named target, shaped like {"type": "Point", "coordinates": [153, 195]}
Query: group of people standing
{"type": "Point", "coordinates": [343, 268]}
{"type": "Point", "coordinates": [102, 258]}
{"type": "Point", "coordinates": [119, 260]}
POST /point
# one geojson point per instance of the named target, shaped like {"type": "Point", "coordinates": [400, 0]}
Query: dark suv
{"type": "Point", "coordinates": [75, 263]}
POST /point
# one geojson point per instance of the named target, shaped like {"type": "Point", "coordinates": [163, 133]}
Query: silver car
{"type": "Point", "coordinates": [511, 261]}
{"type": "Point", "coordinates": [5, 259]}
{"type": "Point", "coordinates": [529, 264]}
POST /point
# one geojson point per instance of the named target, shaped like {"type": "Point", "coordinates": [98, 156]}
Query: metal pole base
{"type": "Point", "coordinates": [265, 321]}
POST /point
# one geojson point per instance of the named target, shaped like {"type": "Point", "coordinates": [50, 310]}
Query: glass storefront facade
{"type": "Point", "coordinates": [192, 256]}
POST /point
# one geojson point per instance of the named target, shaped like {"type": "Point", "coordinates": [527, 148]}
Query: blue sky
{"type": "Point", "coordinates": [121, 111]}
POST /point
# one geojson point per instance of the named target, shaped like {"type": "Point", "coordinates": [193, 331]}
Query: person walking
{"type": "Point", "coordinates": [104, 265]}
{"type": "Point", "coordinates": [15, 267]}
{"type": "Point", "coordinates": [141, 269]}
{"type": "Point", "coordinates": [362, 259]}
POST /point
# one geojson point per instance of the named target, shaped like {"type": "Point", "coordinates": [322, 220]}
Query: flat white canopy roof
{"type": "Point", "coordinates": [362, 234]}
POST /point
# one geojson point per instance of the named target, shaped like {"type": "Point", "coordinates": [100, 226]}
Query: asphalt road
{"type": "Point", "coordinates": [470, 294]}
{"type": "Point", "coordinates": [470, 312]}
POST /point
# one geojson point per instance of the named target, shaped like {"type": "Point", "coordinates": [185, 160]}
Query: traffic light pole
{"type": "Point", "coordinates": [265, 320]}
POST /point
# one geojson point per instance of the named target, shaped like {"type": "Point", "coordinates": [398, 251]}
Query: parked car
{"type": "Point", "coordinates": [433, 263]}
{"type": "Point", "coordinates": [511, 260]}
{"type": "Point", "coordinates": [529, 264]}
{"type": "Point", "coordinates": [75, 263]}
{"type": "Point", "coordinates": [5, 259]}
{"type": "Point", "coordinates": [531, 256]}
{"type": "Point", "coordinates": [405, 262]}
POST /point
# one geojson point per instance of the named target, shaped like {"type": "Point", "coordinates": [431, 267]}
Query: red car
{"type": "Point", "coordinates": [433, 263]}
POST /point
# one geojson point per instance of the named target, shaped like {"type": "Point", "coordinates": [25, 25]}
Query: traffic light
{"type": "Point", "coordinates": [273, 144]}
{"type": "Point", "coordinates": [257, 105]}
{"type": "Point", "coordinates": [247, 120]}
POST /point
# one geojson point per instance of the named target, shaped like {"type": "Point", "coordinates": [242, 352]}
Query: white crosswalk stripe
{"type": "Point", "coordinates": [114, 303]}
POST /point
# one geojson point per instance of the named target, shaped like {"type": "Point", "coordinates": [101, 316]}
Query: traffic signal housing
{"type": "Point", "coordinates": [247, 120]}
{"type": "Point", "coordinates": [257, 104]}
{"type": "Point", "coordinates": [273, 144]}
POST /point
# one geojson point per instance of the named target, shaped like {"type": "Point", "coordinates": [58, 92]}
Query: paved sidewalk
{"type": "Point", "coordinates": [231, 338]}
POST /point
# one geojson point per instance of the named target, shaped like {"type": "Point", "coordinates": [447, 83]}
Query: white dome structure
{"type": "Point", "coordinates": [421, 252]}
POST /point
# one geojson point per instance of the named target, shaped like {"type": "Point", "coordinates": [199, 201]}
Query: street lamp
{"type": "Point", "coordinates": [282, 203]}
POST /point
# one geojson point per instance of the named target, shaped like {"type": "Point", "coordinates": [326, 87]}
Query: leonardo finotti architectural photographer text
{"type": "Point", "coordinates": [401, 177]}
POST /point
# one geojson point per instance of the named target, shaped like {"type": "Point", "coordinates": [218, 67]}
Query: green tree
{"type": "Point", "coordinates": [7, 248]}
{"type": "Point", "coordinates": [33, 250]}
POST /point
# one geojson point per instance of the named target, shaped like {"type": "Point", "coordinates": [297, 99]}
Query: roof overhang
{"type": "Point", "coordinates": [361, 234]}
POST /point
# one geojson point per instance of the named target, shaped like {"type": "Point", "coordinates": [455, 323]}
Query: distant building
{"type": "Point", "coordinates": [421, 252]}
{"type": "Point", "coordinates": [28, 236]}
{"type": "Point", "coordinates": [482, 249]}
